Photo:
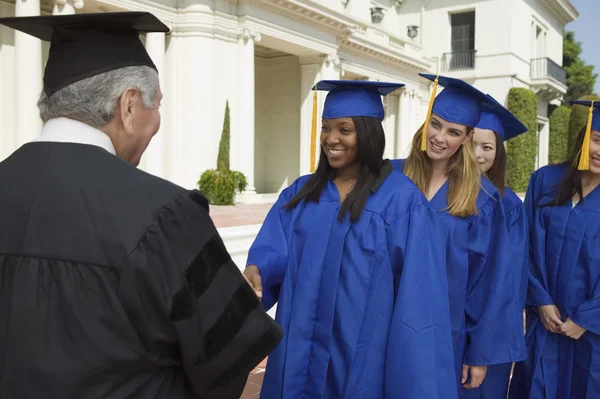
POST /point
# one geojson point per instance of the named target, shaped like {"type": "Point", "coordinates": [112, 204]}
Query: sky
{"type": "Point", "coordinates": [586, 32]}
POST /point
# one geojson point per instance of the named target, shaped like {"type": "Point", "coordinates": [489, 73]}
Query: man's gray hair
{"type": "Point", "coordinates": [93, 100]}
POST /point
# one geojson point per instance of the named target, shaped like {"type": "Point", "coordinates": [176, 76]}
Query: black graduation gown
{"type": "Point", "coordinates": [115, 284]}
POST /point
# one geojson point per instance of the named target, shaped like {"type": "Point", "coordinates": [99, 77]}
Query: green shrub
{"type": "Point", "coordinates": [578, 119]}
{"type": "Point", "coordinates": [522, 150]}
{"type": "Point", "coordinates": [559, 135]}
{"type": "Point", "coordinates": [220, 185]}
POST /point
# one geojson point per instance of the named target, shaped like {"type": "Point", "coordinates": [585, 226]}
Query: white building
{"type": "Point", "coordinates": [264, 56]}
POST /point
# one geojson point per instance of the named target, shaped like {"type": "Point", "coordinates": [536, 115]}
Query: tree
{"type": "Point", "coordinates": [581, 78]}
{"type": "Point", "coordinates": [223, 157]}
{"type": "Point", "coordinates": [220, 185]}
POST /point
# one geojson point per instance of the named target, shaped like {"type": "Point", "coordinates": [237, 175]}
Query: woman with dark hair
{"type": "Point", "coordinates": [485, 329]}
{"type": "Point", "coordinates": [563, 298]}
{"type": "Point", "coordinates": [354, 257]}
{"type": "Point", "coordinates": [494, 127]}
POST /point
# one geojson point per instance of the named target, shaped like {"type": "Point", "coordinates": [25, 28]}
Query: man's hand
{"type": "Point", "coordinates": [252, 276]}
{"type": "Point", "coordinates": [572, 330]}
{"type": "Point", "coordinates": [477, 374]}
{"type": "Point", "coordinates": [551, 318]}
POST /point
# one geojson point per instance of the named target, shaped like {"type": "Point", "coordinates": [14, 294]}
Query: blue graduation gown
{"type": "Point", "coordinates": [487, 329]}
{"type": "Point", "coordinates": [495, 384]}
{"type": "Point", "coordinates": [364, 305]}
{"type": "Point", "coordinates": [564, 271]}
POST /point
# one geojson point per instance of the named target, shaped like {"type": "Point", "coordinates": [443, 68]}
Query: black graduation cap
{"type": "Point", "coordinates": [84, 45]}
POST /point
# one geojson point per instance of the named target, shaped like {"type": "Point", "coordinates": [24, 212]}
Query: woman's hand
{"type": "Point", "coordinates": [252, 276]}
{"type": "Point", "coordinates": [572, 330]}
{"type": "Point", "coordinates": [551, 318]}
{"type": "Point", "coordinates": [477, 375]}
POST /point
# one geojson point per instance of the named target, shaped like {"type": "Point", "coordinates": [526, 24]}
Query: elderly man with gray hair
{"type": "Point", "coordinates": [113, 283]}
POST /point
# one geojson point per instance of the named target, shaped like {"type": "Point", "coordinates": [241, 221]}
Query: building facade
{"type": "Point", "coordinates": [263, 57]}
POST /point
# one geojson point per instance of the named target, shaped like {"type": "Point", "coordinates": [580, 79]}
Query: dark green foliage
{"type": "Point", "coordinates": [223, 157]}
{"type": "Point", "coordinates": [220, 185]}
{"type": "Point", "coordinates": [522, 149]}
{"type": "Point", "coordinates": [580, 76]}
{"type": "Point", "coordinates": [578, 119]}
{"type": "Point", "coordinates": [559, 135]}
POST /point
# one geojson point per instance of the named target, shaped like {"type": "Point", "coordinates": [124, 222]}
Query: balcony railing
{"type": "Point", "coordinates": [542, 68]}
{"type": "Point", "coordinates": [459, 61]}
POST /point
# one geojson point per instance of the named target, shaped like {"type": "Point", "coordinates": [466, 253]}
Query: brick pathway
{"type": "Point", "coordinates": [239, 215]}
{"type": "Point", "coordinates": [252, 390]}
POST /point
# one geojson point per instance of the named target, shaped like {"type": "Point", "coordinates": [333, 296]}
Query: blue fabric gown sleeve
{"type": "Point", "coordinates": [492, 329]}
{"type": "Point", "coordinates": [587, 314]}
{"type": "Point", "coordinates": [518, 232]}
{"type": "Point", "coordinates": [269, 251]}
{"type": "Point", "coordinates": [537, 292]}
{"type": "Point", "coordinates": [419, 358]}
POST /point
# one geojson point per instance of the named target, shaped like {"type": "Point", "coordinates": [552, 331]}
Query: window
{"type": "Point", "coordinates": [462, 40]}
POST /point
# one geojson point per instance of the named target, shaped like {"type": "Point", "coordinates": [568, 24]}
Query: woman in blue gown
{"type": "Point", "coordinates": [495, 127]}
{"type": "Point", "coordinates": [486, 329]}
{"type": "Point", "coordinates": [563, 300]}
{"type": "Point", "coordinates": [354, 257]}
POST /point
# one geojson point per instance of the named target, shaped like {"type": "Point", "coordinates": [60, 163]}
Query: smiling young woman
{"type": "Point", "coordinates": [563, 313]}
{"type": "Point", "coordinates": [353, 255]}
{"type": "Point", "coordinates": [442, 164]}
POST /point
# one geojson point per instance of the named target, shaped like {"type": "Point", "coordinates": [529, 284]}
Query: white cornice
{"type": "Point", "coordinates": [563, 9]}
{"type": "Point", "coordinates": [304, 11]}
{"type": "Point", "coordinates": [287, 35]}
{"type": "Point", "coordinates": [356, 43]}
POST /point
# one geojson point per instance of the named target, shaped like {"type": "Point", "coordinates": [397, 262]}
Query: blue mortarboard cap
{"type": "Point", "coordinates": [494, 116]}
{"type": "Point", "coordinates": [595, 113]}
{"type": "Point", "coordinates": [349, 98]}
{"type": "Point", "coordinates": [459, 102]}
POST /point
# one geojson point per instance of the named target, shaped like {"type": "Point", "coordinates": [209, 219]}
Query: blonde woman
{"type": "Point", "coordinates": [485, 330]}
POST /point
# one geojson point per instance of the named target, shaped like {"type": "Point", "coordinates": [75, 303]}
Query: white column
{"type": "Point", "coordinates": [243, 141]}
{"type": "Point", "coordinates": [390, 124]}
{"type": "Point", "coordinates": [544, 137]}
{"type": "Point", "coordinates": [404, 135]}
{"type": "Point", "coordinates": [309, 75]}
{"type": "Point", "coordinates": [154, 158]}
{"type": "Point", "coordinates": [415, 106]}
{"type": "Point", "coordinates": [313, 69]}
{"type": "Point", "coordinates": [28, 77]}
{"type": "Point", "coordinates": [66, 7]}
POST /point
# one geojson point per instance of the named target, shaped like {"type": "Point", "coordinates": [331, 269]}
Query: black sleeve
{"type": "Point", "coordinates": [186, 291]}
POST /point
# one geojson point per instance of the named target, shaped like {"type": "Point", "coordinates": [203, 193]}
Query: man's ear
{"type": "Point", "coordinates": [127, 108]}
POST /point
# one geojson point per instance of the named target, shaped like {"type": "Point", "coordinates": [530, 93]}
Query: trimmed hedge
{"type": "Point", "coordinates": [559, 135]}
{"type": "Point", "coordinates": [578, 119]}
{"type": "Point", "coordinates": [220, 185]}
{"type": "Point", "coordinates": [522, 150]}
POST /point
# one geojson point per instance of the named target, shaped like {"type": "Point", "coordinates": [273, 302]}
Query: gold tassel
{"type": "Point", "coordinates": [431, 100]}
{"type": "Point", "coordinates": [313, 134]}
{"type": "Point", "coordinates": [584, 155]}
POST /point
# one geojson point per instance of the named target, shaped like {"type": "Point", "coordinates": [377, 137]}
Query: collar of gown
{"type": "Point", "coordinates": [65, 130]}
